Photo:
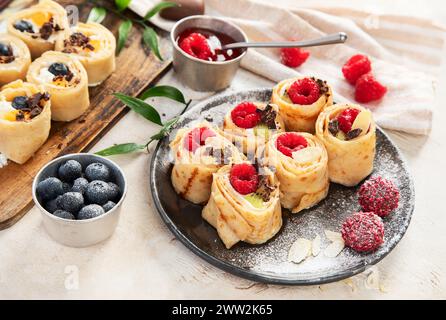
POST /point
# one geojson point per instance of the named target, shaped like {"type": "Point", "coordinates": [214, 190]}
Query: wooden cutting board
{"type": "Point", "coordinates": [134, 72]}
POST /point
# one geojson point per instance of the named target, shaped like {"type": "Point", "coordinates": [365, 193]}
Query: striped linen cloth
{"type": "Point", "coordinates": [406, 53]}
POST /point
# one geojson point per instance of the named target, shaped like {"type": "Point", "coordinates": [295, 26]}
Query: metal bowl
{"type": "Point", "coordinates": [80, 233]}
{"type": "Point", "coordinates": [199, 74]}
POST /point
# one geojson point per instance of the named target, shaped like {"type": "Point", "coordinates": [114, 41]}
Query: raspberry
{"type": "Point", "coordinates": [290, 142]}
{"type": "Point", "coordinates": [379, 195]}
{"type": "Point", "coordinates": [197, 138]}
{"type": "Point", "coordinates": [197, 46]}
{"type": "Point", "coordinates": [346, 119]}
{"type": "Point", "coordinates": [304, 91]}
{"type": "Point", "coordinates": [244, 178]}
{"type": "Point", "coordinates": [355, 67]}
{"type": "Point", "coordinates": [363, 231]}
{"type": "Point", "coordinates": [245, 115]}
{"type": "Point", "coordinates": [293, 57]}
{"type": "Point", "coordinates": [369, 89]}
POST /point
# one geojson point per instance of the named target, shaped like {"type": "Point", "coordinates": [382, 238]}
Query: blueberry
{"type": "Point", "coordinates": [108, 206]}
{"type": "Point", "coordinates": [70, 170]}
{"type": "Point", "coordinates": [23, 25]}
{"type": "Point", "coordinates": [114, 191]}
{"type": "Point", "coordinates": [97, 171]}
{"type": "Point", "coordinates": [71, 202]}
{"type": "Point", "coordinates": [97, 192]}
{"type": "Point", "coordinates": [58, 69]}
{"type": "Point", "coordinates": [64, 215]}
{"type": "Point", "coordinates": [90, 211]}
{"type": "Point", "coordinates": [49, 188]}
{"type": "Point", "coordinates": [5, 50]}
{"type": "Point", "coordinates": [52, 205]}
{"type": "Point", "coordinates": [80, 185]}
{"type": "Point", "coordinates": [20, 102]}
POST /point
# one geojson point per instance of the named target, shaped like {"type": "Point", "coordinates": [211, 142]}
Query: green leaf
{"type": "Point", "coordinates": [123, 33]}
{"type": "Point", "coordinates": [122, 4]}
{"type": "Point", "coordinates": [139, 106]}
{"type": "Point", "coordinates": [157, 8]}
{"type": "Point", "coordinates": [97, 14]}
{"type": "Point", "coordinates": [121, 149]}
{"type": "Point", "coordinates": [164, 91]}
{"type": "Point", "coordinates": [151, 40]}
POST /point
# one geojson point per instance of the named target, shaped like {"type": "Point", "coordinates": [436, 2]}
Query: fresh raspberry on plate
{"type": "Point", "coordinates": [197, 46]}
{"type": "Point", "coordinates": [363, 231]}
{"type": "Point", "coordinates": [290, 142]}
{"type": "Point", "coordinates": [245, 115]}
{"type": "Point", "coordinates": [355, 67]}
{"type": "Point", "coordinates": [197, 137]}
{"type": "Point", "coordinates": [293, 57]}
{"type": "Point", "coordinates": [244, 178]}
{"type": "Point", "coordinates": [379, 195]}
{"type": "Point", "coordinates": [304, 91]}
{"type": "Point", "coordinates": [369, 89]}
{"type": "Point", "coordinates": [346, 119]}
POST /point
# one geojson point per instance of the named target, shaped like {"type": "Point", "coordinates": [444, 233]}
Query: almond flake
{"type": "Point", "coordinates": [300, 250]}
{"type": "Point", "coordinates": [362, 122]}
{"type": "Point", "coordinates": [316, 246]}
{"type": "Point", "coordinates": [333, 236]}
{"type": "Point", "coordinates": [334, 249]}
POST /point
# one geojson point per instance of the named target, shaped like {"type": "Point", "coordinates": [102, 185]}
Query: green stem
{"type": "Point", "coordinates": [120, 14]}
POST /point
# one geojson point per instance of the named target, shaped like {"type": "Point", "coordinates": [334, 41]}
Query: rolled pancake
{"type": "Point", "coordinates": [15, 65]}
{"type": "Point", "coordinates": [94, 45]}
{"type": "Point", "coordinates": [45, 22]}
{"type": "Point", "coordinates": [300, 118]}
{"type": "Point", "coordinates": [192, 171]}
{"type": "Point", "coordinates": [304, 176]}
{"type": "Point", "coordinates": [20, 139]}
{"type": "Point", "coordinates": [69, 92]}
{"type": "Point", "coordinates": [237, 219]}
{"type": "Point", "coordinates": [349, 161]}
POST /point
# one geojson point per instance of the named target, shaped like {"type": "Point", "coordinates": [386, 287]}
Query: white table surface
{"type": "Point", "coordinates": [144, 260]}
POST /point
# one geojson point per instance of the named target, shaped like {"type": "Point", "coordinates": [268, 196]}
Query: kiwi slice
{"type": "Point", "coordinates": [255, 200]}
{"type": "Point", "coordinates": [341, 135]}
{"type": "Point", "coordinates": [261, 130]}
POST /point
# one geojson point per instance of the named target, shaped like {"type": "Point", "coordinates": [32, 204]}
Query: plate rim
{"type": "Point", "coordinates": [252, 274]}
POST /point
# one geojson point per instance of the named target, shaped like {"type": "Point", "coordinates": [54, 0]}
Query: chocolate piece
{"type": "Point", "coordinates": [184, 9]}
{"type": "Point", "coordinates": [264, 189]}
{"type": "Point", "coordinates": [353, 134]}
{"type": "Point", "coordinates": [77, 40]}
{"type": "Point", "coordinates": [268, 116]}
{"type": "Point", "coordinates": [333, 127]}
{"type": "Point", "coordinates": [6, 59]}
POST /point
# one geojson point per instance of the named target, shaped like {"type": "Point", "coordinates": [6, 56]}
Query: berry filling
{"type": "Point", "coordinates": [245, 115]}
{"type": "Point", "coordinates": [304, 91]}
{"type": "Point", "coordinates": [355, 67]}
{"type": "Point", "coordinates": [346, 119]}
{"type": "Point", "coordinates": [244, 178]}
{"type": "Point", "coordinates": [197, 46]}
{"type": "Point", "coordinates": [379, 195]}
{"type": "Point", "coordinates": [196, 138]}
{"type": "Point", "coordinates": [363, 231]}
{"type": "Point", "coordinates": [293, 57]}
{"type": "Point", "coordinates": [290, 142]}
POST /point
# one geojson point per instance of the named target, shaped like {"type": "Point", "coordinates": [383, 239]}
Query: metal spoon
{"type": "Point", "coordinates": [334, 38]}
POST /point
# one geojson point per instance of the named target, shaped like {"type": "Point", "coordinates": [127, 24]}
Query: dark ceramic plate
{"type": "Point", "coordinates": [268, 262]}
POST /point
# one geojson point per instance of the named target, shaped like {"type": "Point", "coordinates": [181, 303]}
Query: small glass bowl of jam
{"type": "Point", "coordinates": [197, 56]}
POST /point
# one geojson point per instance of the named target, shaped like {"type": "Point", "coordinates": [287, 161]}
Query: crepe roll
{"type": "Point", "coordinates": [94, 45]}
{"type": "Point", "coordinates": [300, 101]}
{"type": "Point", "coordinates": [198, 153]}
{"type": "Point", "coordinates": [249, 125]}
{"type": "Point", "coordinates": [301, 165]}
{"type": "Point", "coordinates": [39, 26]}
{"type": "Point", "coordinates": [348, 133]}
{"type": "Point", "coordinates": [244, 204]}
{"type": "Point", "coordinates": [65, 78]}
{"type": "Point", "coordinates": [14, 59]}
{"type": "Point", "coordinates": [25, 120]}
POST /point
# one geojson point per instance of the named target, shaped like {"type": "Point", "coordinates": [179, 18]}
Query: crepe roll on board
{"type": "Point", "coordinates": [25, 120]}
{"type": "Point", "coordinates": [199, 152]}
{"type": "Point", "coordinates": [94, 45]}
{"type": "Point", "coordinates": [348, 133]}
{"type": "Point", "coordinates": [65, 78]}
{"type": "Point", "coordinates": [244, 204]}
{"type": "Point", "coordinates": [14, 59]}
{"type": "Point", "coordinates": [300, 101]}
{"type": "Point", "coordinates": [39, 26]}
{"type": "Point", "coordinates": [250, 125]}
{"type": "Point", "coordinates": [301, 165]}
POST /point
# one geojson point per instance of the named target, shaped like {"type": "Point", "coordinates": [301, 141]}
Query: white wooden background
{"type": "Point", "coordinates": [143, 259]}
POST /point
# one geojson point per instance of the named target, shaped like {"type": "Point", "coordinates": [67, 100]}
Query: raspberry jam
{"type": "Point", "coordinates": [206, 44]}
